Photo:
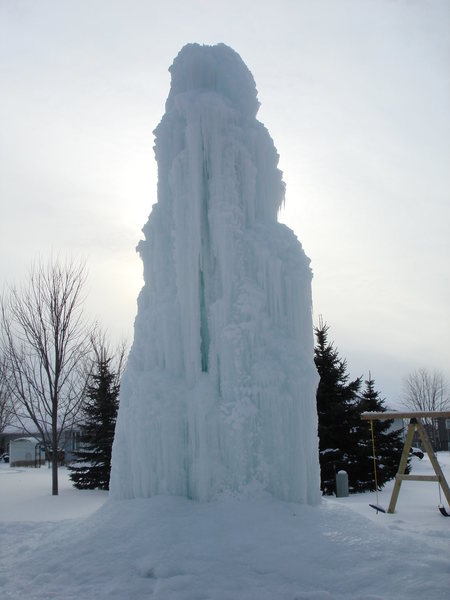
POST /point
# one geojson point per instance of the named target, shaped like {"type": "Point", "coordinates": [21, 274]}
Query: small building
{"type": "Point", "coordinates": [26, 452]}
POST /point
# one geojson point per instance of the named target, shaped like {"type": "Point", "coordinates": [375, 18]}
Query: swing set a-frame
{"type": "Point", "coordinates": [415, 424]}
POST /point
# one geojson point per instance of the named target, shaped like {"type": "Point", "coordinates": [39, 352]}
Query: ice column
{"type": "Point", "coordinates": [219, 389]}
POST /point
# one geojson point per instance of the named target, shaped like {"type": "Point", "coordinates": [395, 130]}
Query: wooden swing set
{"type": "Point", "coordinates": [415, 424]}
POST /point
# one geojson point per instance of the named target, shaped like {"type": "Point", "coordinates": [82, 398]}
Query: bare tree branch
{"type": "Point", "coordinates": [6, 403]}
{"type": "Point", "coordinates": [102, 352]}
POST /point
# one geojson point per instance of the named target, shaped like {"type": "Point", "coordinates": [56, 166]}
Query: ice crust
{"type": "Point", "coordinates": [219, 390]}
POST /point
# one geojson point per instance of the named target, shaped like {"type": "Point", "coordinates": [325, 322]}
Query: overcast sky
{"type": "Point", "coordinates": [355, 94]}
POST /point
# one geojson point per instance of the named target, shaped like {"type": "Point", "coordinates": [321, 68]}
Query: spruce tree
{"type": "Point", "coordinates": [337, 412]}
{"type": "Point", "coordinates": [92, 466]}
{"type": "Point", "coordinates": [388, 443]}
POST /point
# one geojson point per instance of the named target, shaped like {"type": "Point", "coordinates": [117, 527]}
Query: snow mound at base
{"type": "Point", "coordinates": [258, 549]}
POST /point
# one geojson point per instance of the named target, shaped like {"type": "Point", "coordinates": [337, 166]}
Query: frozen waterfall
{"type": "Point", "coordinates": [219, 390]}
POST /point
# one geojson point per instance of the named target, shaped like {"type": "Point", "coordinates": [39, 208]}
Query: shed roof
{"type": "Point", "coordinates": [32, 440]}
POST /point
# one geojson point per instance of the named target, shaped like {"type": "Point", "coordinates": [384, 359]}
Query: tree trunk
{"type": "Point", "coordinates": [54, 458]}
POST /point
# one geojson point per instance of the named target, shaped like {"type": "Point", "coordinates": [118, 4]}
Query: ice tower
{"type": "Point", "coordinates": [219, 390]}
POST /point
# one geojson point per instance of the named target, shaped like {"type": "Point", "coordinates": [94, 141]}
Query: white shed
{"type": "Point", "coordinates": [26, 452]}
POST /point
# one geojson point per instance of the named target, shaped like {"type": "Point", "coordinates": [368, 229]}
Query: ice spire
{"type": "Point", "coordinates": [219, 390]}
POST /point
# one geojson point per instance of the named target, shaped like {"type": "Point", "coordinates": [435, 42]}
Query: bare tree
{"type": "Point", "coordinates": [6, 405]}
{"type": "Point", "coordinates": [426, 391]}
{"type": "Point", "coordinates": [46, 341]}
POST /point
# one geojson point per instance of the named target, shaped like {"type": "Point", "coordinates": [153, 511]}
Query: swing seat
{"type": "Point", "coordinates": [443, 512]}
{"type": "Point", "coordinates": [378, 508]}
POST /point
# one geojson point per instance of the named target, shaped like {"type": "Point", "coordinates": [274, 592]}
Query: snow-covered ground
{"type": "Point", "coordinates": [79, 546]}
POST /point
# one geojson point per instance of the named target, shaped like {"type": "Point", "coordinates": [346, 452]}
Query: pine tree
{"type": "Point", "coordinates": [337, 412]}
{"type": "Point", "coordinates": [92, 466]}
{"type": "Point", "coordinates": [388, 443]}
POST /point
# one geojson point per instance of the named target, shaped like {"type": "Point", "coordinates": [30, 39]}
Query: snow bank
{"type": "Point", "coordinates": [173, 548]}
{"type": "Point", "coordinates": [219, 391]}
{"type": "Point", "coordinates": [169, 548]}
{"type": "Point", "coordinates": [25, 495]}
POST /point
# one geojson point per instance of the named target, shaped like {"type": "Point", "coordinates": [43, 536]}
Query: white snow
{"type": "Point", "coordinates": [25, 495]}
{"type": "Point", "coordinates": [234, 548]}
{"type": "Point", "coordinates": [219, 390]}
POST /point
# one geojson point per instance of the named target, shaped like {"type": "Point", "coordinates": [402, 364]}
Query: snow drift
{"type": "Point", "coordinates": [219, 390]}
{"type": "Point", "coordinates": [171, 548]}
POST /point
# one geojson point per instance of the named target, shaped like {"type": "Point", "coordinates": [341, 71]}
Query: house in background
{"type": "Point", "coordinates": [444, 434]}
{"type": "Point", "coordinates": [438, 431]}
{"type": "Point", "coordinates": [69, 442]}
{"type": "Point", "coordinates": [397, 425]}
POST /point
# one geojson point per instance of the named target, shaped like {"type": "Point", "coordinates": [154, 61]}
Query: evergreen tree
{"type": "Point", "coordinates": [92, 466]}
{"type": "Point", "coordinates": [388, 444]}
{"type": "Point", "coordinates": [337, 412]}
